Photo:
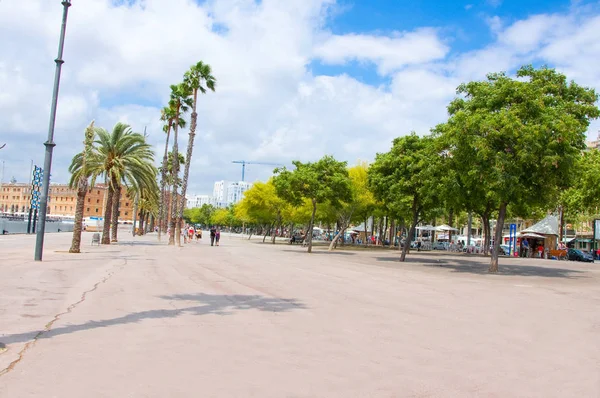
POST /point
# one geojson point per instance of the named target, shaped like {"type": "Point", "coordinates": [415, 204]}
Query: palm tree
{"type": "Point", "coordinates": [168, 116]}
{"type": "Point", "coordinates": [198, 78]}
{"type": "Point", "coordinates": [180, 96]}
{"type": "Point", "coordinates": [80, 173]}
{"type": "Point", "coordinates": [124, 158]}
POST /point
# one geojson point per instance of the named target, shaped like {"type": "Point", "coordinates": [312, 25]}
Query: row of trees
{"type": "Point", "coordinates": [510, 147]}
{"type": "Point", "coordinates": [184, 96]}
{"type": "Point", "coordinates": [124, 161]}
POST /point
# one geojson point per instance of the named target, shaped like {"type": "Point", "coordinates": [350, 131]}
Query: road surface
{"type": "Point", "coordinates": [140, 319]}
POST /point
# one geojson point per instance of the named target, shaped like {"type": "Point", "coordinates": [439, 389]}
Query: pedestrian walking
{"type": "Point", "coordinates": [217, 236]}
{"type": "Point", "coordinates": [213, 235]}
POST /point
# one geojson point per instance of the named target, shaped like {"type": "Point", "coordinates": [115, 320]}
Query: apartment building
{"type": "Point", "coordinates": [15, 198]}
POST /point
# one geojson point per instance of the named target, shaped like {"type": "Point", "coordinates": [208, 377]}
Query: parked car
{"type": "Point", "coordinates": [440, 246]}
{"type": "Point", "coordinates": [578, 255]}
{"type": "Point", "coordinates": [504, 250]}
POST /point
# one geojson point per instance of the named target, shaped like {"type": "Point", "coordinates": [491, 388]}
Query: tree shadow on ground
{"type": "Point", "coordinates": [325, 252]}
{"type": "Point", "coordinates": [216, 304]}
{"type": "Point", "coordinates": [481, 267]}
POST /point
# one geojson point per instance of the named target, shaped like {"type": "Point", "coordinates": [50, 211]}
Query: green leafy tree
{"type": "Point", "coordinates": [405, 179]}
{"type": "Point", "coordinates": [323, 181]}
{"type": "Point", "coordinates": [360, 203]}
{"type": "Point", "coordinates": [519, 137]}
{"type": "Point", "coordinates": [263, 206]}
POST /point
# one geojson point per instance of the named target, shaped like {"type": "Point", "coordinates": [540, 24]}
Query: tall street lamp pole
{"type": "Point", "coordinates": [39, 242]}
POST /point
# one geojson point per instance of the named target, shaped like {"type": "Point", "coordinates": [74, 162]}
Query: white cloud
{"type": "Point", "coordinates": [269, 106]}
{"type": "Point", "coordinates": [388, 53]}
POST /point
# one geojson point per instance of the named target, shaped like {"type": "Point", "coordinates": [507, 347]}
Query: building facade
{"type": "Point", "coordinates": [15, 198]}
{"type": "Point", "coordinates": [199, 201]}
{"type": "Point", "coordinates": [235, 191]}
{"type": "Point", "coordinates": [220, 193]}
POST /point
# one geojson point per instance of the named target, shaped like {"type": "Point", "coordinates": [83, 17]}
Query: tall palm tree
{"type": "Point", "coordinates": [180, 96]}
{"type": "Point", "coordinates": [124, 158]}
{"type": "Point", "coordinates": [170, 179]}
{"type": "Point", "coordinates": [168, 116]}
{"type": "Point", "coordinates": [80, 174]}
{"type": "Point", "coordinates": [198, 78]}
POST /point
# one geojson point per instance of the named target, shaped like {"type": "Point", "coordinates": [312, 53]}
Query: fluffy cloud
{"type": "Point", "coordinates": [388, 53]}
{"type": "Point", "coordinates": [269, 106]}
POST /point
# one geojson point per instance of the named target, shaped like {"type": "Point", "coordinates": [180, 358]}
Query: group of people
{"type": "Point", "coordinates": [189, 232]}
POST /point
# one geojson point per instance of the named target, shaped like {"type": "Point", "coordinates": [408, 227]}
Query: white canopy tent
{"type": "Point", "coordinates": [445, 228]}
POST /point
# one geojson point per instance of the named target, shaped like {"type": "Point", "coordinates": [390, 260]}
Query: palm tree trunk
{"type": "Point", "coordinates": [163, 182]}
{"type": "Point", "coordinates": [107, 216]}
{"type": "Point", "coordinates": [135, 210]}
{"type": "Point", "coordinates": [173, 223]}
{"type": "Point", "coordinates": [188, 156]}
{"type": "Point", "coordinates": [77, 227]}
{"type": "Point", "coordinates": [115, 213]}
{"type": "Point", "coordinates": [141, 227]}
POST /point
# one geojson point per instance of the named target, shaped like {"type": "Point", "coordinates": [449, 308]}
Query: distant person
{"type": "Point", "coordinates": [198, 234]}
{"type": "Point", "coordinates": [525, 248]}
{"type": "Point", "coordinates": [213, 235]}
{"type": "Point", "coordinates": [191, 233]}
{"type": "Point", "coordinates": [540, 250]}
{"type": "Point", "coordinates": [217, 236]}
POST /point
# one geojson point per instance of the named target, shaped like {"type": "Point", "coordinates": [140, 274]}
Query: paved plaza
{"type": "Point", "coordinates": [140, 319]}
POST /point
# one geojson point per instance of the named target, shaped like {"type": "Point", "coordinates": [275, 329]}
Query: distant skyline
{"type": "Point", "coordinates": [297, 79]}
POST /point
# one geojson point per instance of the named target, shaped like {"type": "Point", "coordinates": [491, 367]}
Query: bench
{"type": "Point", "coordinates": [96, 239]}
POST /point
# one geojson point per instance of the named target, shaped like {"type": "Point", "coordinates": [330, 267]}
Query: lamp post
{"type": "Point", "coordinates": [39, 242]}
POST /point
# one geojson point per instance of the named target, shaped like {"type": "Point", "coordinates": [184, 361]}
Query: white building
{"type": "Point", "coordinates": [199, 201]}
{"type": "Point", "coordinates": [220, 193]}
{"type": "Point", "coordinates": [235, 191]}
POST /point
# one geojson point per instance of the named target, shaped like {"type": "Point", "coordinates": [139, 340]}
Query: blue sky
{"type": "Point", "coordinates": [466, 24]}
{"type": "Point", "coordinates": [291, 84]}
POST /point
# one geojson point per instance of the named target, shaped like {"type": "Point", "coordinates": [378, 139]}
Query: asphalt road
{"type": "Point", "coordinates": [246, 319]}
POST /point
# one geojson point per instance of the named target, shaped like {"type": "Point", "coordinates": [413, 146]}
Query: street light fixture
{"type": "Point", "coordinates": [39, 242]}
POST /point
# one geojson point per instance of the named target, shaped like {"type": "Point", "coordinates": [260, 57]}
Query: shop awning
{"type": "Point", "coordinates": [548, 226]}
{"type": "Point", "coordinates": [532, 235]}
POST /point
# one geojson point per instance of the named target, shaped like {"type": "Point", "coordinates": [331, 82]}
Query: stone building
{"type": "Point", "coordinates": [15, 198]}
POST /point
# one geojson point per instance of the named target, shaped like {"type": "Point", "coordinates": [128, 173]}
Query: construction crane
{"type": "Point", "coordinates": [245, 162]}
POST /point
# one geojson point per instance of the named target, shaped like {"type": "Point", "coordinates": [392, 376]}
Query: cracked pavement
{"type": "Point", "coordinates": [140, 319]}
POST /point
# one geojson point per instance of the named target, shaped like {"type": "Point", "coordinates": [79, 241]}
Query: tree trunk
{"type": "Point", "coordinates": [163, 182]}
{"type": "Point", "coordinates": [498, 238]}
{"type": "Point", "coordinates": [411, 231]}
{"type": "Point", "coordinates": [451, 224]}
{"type": "Point", "coordinates": [115, 213]}
{"type": "Point", "coordinates": [278, 224]}
{"type": "Point", "coordinates": [561, 228]}
{"type": "Point", "coordinates": [135, 209]}
{"type": "Point", "coordinates": [393, 233]}
{"type": "Point", "coordinates": [152, 220]}
{"type": "Point", "coordinates": [107, 216]}
{"type": "Point", "coordinates": [267, 231]}
{"type": "Point", "coordinates": [188, 157]}
{"type": "Point", "coordinates": [141, 227]}
{"type": "Point", "coordinates": [175, 171]}
{"type": "Point", "coordinates": [486, 234]}
{"type": "Point", "coordinates": [77, 226]}
{"type": "Point", "coordinates": [333, 243]}
{"type": "Point", "coordinates": [147, 223]}
{"type": "Point", "coordinates": [366, 232]}
{"type": "Point", "coordinates": [311, 225]}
